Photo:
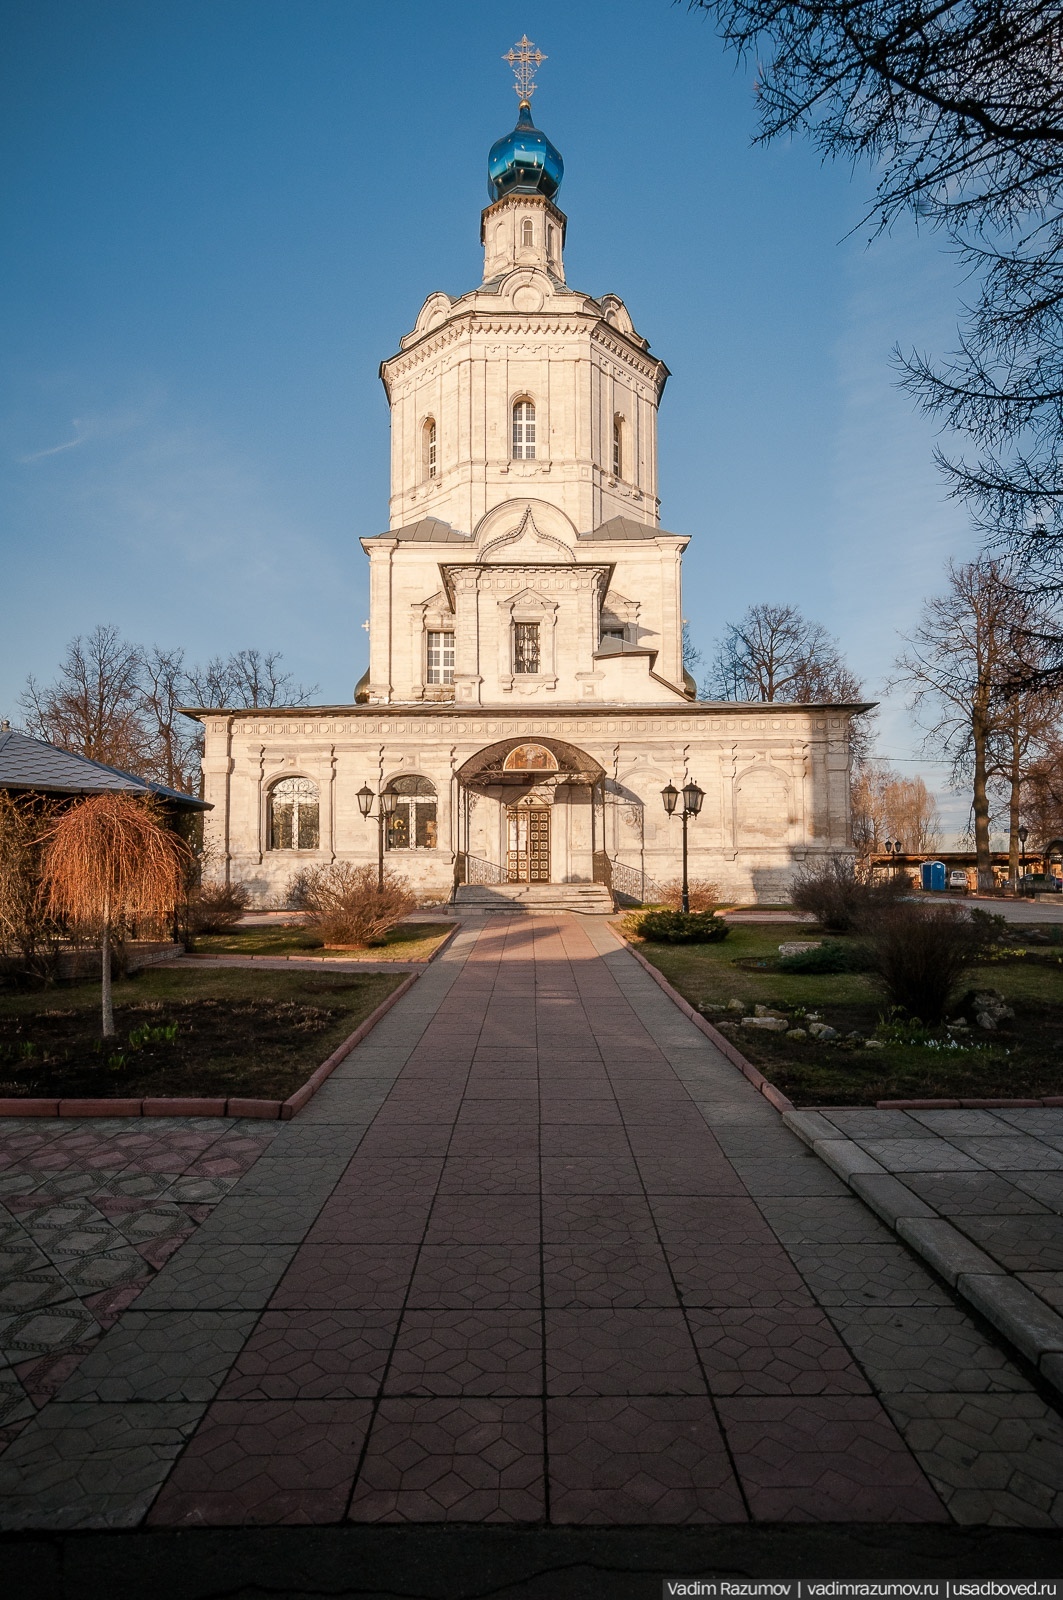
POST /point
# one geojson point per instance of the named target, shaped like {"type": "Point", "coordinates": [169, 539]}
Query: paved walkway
{"type": "Point", "coordinates": [536, 1252]}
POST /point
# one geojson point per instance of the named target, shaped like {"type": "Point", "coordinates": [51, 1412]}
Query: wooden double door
{"type": "Point", "coordinates": [528, 844]}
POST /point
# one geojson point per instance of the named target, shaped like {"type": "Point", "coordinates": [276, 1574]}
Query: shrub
{"type": "Point", "coordinates": [704, 896]}
{"type": "Point", "coordinates": [215, 907]}
{"type": "Point", "coordinates": [919, 954]}
{"type": "Point", "coordinates": [346, 905]}
{"type": "Point", "coordinates": [28, 934]}
{"type": "Point", "coordinates": [679, 927]}
{"type": "Point", "coordinates": [833, 955]}
{"type": "Point", "coordinates": [840, 900]}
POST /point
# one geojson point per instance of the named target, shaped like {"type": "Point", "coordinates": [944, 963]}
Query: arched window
{"type": "Point", "coordinates": [429, 452]}
{"type": "Point", "coordinates": [618, 447]}
{"type": "Point", "coordinates": [526, 237]}
{"type": "Point", "coordinates": [294, 815]}
{"type": "Point", "coordinates": [412, 825]}
{"type": "Point", "coordinates": [523, 430]}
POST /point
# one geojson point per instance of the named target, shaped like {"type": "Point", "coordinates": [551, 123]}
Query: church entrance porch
{"type": "Point", "coordinates": [526, 815]}
{"type": "Point", "coordinates": [528, 844]}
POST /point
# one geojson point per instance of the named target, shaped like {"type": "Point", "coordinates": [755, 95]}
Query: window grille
{"type": "Point", "coordinates": [440, 658]}
{"type": "Point", "coordinates": [524, 431]}
{"type": "Point", "coordinates": [618, 448]}
{"type": "Point", "coordinates": [413, 824]}
{"type": "Point", "coordinates": [526, 647]}
{"type": "Point", "coordinates": [294, 815]}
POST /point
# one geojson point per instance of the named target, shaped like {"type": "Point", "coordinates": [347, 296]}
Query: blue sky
{"type": "Point", "coordinates": [221, 214]}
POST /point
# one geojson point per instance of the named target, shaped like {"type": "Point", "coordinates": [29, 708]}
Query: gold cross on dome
{"type": "Point", "coordinates": [525, 59]}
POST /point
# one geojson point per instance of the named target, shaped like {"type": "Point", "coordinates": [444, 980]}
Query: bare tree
{"type": "Point", "coordinates": [959, 108]}
{"type": "Point", "coordinates": [1042, 795]}
{"type": "Point", "coordinates": [888, 806]}
{"type": "Point", "coordinates": [93, 707]}
{"type": "Point", "coordinates": [774, 653]}
{"type": "Point", "coordinates": [958, 667]}
{"type": "Point", "coordinates": [246, 678]}
{"type": "Point", "coordinates": [174, 742]}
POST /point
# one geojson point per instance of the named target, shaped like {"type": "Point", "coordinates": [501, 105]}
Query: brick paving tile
{"type": "Point", "coordinates": [471, 1276]}
{"type": "Point", "coordinates": [641, 1460]}
{"type": "Point", "coordinates": [90, 1466]}
{"type": "Point", "coordinates": [620, 1351]}
{"type": "Point", "coordinates": [355, 1278]}
{"type": "Point", "coordinates": [484, 1219]}
{"type": "Point", "coordinates": [410, 1139]}
{"type": "Point", "coordinates": [825, 1458]}
{"type": "Point", "coordinates": [924, 1348]}
{"type": "Point", "coordinates": [992, 1458]}
{"type": "Point", "coordinates": [371, 1219]}
{"type": "Point", "coordinates": [161, 1355]}
{"type": "Point", "coordinates": [490, 1175]}
{"type": "Point", "coordinates": [769, 1350]}
{"type": "Point", "coordinates": [453, 1459]}
{"type": "Point", "coordinates": [219, 1277]}
{"type": "Point", "coordinates": [700, 1220]}
{"type": "Point", "coordinates": [973, 1193]}
{"type": "Point", "coordinates": [266, 1461]}
{"type": "Point", "coordinates": [480, 1352]}
{"type": "Point", "coordinates": [1021, 1244]}
{"type": "Point", "coordinates": [599, 1175]}
{"type": "Point", "coordinates": [605, 1275]}
{"type": "Point", "coordinates": [714, 1274]}
{"type": "Point", "coordinates": [1004, 1154]}
{"type": "Point", "coordinates": [823, 1221]}
{"type": "Point", "coordinates": [857, 1274]}
{"type": "Point", "coordinates": [583, 1219]}
{"type": "Point", "coordinates": [313, 1355]}
{"type": "Point", "coordinates": [589, 1140]}
{"type": "Point", "coordinates": [680, 1174]}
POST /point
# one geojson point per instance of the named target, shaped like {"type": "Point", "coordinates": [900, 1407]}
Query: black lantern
{"type": "Point", "coordinates": [385, 807]}
{"type": "Point", "coordinates": [365, 800]}
{"type": "Point", "coordinates": [1024, 834]}
{"type": "Point", "coordinates": [692, 802]}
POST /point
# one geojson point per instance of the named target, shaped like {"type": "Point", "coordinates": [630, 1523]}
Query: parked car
{"type": "Point", "coordinates": [1040, 883]}
{"type": "Point", "coordinates": [958, 881]}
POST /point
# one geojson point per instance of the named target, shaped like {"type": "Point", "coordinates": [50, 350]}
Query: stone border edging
{"type": "Point", "coordinates": [317, 961]}
{"type": "Point", "coordinates": [1023, 1318]}
{"type": "Point", "coordinates": [998, 1104]}
{"type": "Point", "coordinates": [774, 1096]}
{"type": "Point", "coordinates": [266, 1110]}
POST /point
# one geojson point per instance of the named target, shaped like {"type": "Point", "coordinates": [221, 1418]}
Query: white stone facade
{"type": "Point", "coordinates": [525, 692]}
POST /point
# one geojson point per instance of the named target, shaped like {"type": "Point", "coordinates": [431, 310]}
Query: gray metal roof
{"type": "Point", "coordinates": [430, 530]}
{"type": "Point", "coordinates": [27, 763]}
{"type": "Point", "coordinates": [620, 528]}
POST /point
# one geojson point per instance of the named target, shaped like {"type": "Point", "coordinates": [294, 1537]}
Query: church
{"type": "Point", "coordinates": [525, 702]}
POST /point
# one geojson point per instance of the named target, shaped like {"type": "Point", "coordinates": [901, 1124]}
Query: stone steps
{"type": "Point", "coordinates": [586, 897]}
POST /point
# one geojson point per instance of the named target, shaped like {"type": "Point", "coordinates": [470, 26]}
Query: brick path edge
{"type": "Point", "coordinates": [773, 1095]}
{"type": "Point", "coordinates": [1019, 1315]}
{"type": "Point", "coordinates": [234, 1106]}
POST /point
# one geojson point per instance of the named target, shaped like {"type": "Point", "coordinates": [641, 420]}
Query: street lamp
{"type": "Point", "coordinates": [692, 803]}
{"type": "Point", "coordinates": [1024, 834]}
{"type": "Point", "coordinates": [385, 807]}
{"type": "Point", "coordinates": [894, 848]}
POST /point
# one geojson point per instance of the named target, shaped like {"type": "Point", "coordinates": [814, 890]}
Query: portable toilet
{"type": "Point", "coordinates": [933, 875]}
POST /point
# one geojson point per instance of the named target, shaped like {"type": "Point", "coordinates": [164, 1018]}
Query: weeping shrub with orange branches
{"type": "Point", "coordinates": [109, 860]}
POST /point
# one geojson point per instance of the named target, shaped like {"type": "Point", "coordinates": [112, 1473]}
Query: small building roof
{"type": "Point", "coordinates": [619, 528]}
{"type": "Point", "coordinates": [32, 765]}
{"type": "Point", "coordinates": [430, 530]}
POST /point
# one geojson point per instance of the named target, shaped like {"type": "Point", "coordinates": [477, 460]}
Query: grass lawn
{"type": "Point", "coordinates": [410, 941]}
{"type": "Point", "coordinates": [1023, 1059]}
{"type": "Point", "coordinates": [205, 1031]}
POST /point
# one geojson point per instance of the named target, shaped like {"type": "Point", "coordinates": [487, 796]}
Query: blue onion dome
{"type": "Point", "coordinates": [524, 161]}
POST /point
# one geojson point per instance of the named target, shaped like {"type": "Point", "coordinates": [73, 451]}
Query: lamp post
{"type": "Point", "coordinates": [692, 801]}
{"type": "Point", "coordinates": [894, 848]}
{"type": "Point", "coordinates": [385, 807]}
{"type": "Point", "coordinates": [1024, 834]}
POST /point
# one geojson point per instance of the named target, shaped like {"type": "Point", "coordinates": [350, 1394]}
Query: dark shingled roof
{"type": "Point", "coordinates": [31, 764]}
{"type": "Point", "coordinates": [430, 530]}
{"type": "Point", "coordinates": [618, 528]}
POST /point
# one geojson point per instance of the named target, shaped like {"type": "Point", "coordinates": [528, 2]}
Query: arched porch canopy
{"type": "Point", "coordinates": [521, 763]}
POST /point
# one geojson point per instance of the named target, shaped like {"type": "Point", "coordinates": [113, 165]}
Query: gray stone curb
{"type": "Point", "coordinates": [1021, 1316]}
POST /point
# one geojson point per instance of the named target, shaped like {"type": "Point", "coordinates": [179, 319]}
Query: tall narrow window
{"type": "Point", "coordinates": [293, 815]}
{"type": "Point", "coordinates": [440, 658]}
{"type": "Point", "coordinates": [551, 245]}
{"type": "Point", "coordinates": [413, 824]}
{"type": "Point", "coordinates": [524, 431]}
{"type": "Point", "coordinates": [618, 447]}
{"type": "Point", "coordinates": [526, 232]}
{"type": "Point", "coordinates": [429, 446]}
{"type": "Point", "coordinates": [526, 647]}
